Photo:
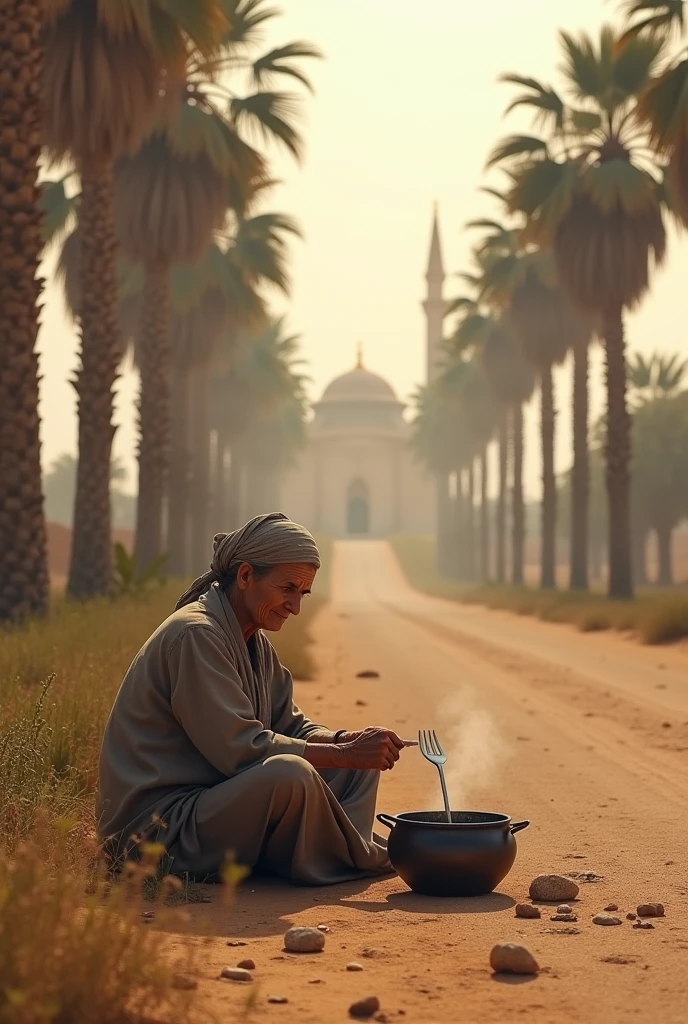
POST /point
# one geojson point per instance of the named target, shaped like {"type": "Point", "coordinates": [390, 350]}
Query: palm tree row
{"type": "Point", "coordinates": [584, 206]}
{"type": "Point", "coordinates": [142, 100]}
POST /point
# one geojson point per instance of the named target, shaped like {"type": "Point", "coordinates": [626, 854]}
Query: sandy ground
{"type": "Point", "coordinates": [587, 736]}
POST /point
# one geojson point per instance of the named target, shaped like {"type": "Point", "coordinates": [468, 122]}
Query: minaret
{"type": "Point", "coordinates": [434, 304]}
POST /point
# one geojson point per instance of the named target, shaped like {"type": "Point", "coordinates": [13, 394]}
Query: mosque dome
{"type": "Point", "coordinates": [358, 385]}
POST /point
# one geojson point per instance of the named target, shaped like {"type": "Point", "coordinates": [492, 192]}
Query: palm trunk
{"type": "Point", "coordinates": [24, 584]}
{"type": "Point", "coordinates": [500, 519]}
{"type": "Point", "coordinates": [90, 571]}
{"type": "Point", "coordinates": [200, 543]}
{"type": "Point", "coordinates": [664, 543]}
{"type": "Point", "coordinates": [639, 541]}
{"type": "Point", "coordinates": [180, 474]}
{"type": "Point", "coordinates": [549, 484]}
{"type": "Point", "coordinates": [484, 519]}
{"type": "Point", "coordinates": [517, 506]}
{"type": "Point", "coordinates": [154, 414]}
{"type": "Point", "coordinates": [618, 458]}
{"type": "Point", "coordinates": [470, 523]}
{"type": "Point", "coordinates": [233, 490]}
{"type": "Point", "coordinates": [220, 485]}
{"type": "Point", "coordinates": [443, 544]}
{"type": "Point", "coordinates": [580, 473]}
{"type": "Point", "coordinates": [458, 532]}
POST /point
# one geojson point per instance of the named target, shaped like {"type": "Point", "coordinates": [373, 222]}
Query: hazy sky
{"type": "Point", "coordinates": [406, 109]}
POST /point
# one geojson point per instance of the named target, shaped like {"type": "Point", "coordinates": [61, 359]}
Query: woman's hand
{"type": "Point", "coordinates": [374, 748]}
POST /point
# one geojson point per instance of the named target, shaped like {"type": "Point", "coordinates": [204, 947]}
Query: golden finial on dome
{"type": "Point", "coordinates": [359, 356]}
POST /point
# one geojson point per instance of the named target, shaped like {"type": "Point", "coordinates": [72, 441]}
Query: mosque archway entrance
{"type": "Point", "coordinates": [358, 509]}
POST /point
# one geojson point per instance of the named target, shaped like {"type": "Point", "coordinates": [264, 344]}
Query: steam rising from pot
{"type": "Point", "coordinates": [476, 750]}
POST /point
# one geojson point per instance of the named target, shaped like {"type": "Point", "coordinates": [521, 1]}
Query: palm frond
{"type": "Point", "coordinates": [619, 185]}
{"type": "Point", "coordinates": [267, 68]}
{"type": "Point", "coordinates": [582, 68]}
{"type": "Point", "coordinates": [272, 116]}
{"type": "Point", "coordinates": [515, 146]}
{"type": "Point", "coordinates": [57, 209]}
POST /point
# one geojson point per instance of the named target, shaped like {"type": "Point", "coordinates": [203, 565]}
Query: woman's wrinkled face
{"type": "Point", "coordinates": [270, 600]}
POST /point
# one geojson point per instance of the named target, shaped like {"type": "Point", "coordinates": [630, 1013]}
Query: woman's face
{"type": "Point", "coordinates": [268, 602]}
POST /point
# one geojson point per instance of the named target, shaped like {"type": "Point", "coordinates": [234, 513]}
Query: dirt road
{"type": "Point", "coordinates": [585, 735]}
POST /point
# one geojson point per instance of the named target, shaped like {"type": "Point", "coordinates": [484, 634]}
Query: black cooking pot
{"type": "Point", "coordinates": [468, 857]}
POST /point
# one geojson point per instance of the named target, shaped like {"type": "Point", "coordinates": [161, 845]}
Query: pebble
{"type": "Point", "coordinates": [236, 942]}
{"type": "Point", "coordinates": [354, 967]}
{"type": "Point", "coordinates": [527, 910]}
{"type": "Point", "coordinates": [184, 982]}
{"type": "Point", "coordinates": [148, 916]}
{"type": "Point", "coordinates": [323, 928]}
{"type": "Point", "coordinates": [564, 908]}
{"type": "Point", "coordinates": [553, 888]}
{"type": "Point", "coordinates": [643, 925]}
{"type": "Point", "coordinates": [611, 907]}
{"type": "Point", "coordinates": [279, 1000]}
{"type": "Point", "coordinates": [631, 916]}
{"type": "Point", "coordinates": [363, 1008]}
{"type": "Point", "coordinates": [236, 974]}
{"type": "Point", "coordinates": [509, 958]}
{"type": "Point", "coordinates": [304, 940]}
{"type": "Point", "coordinates": [247, 965]}
{"type": "Point", "coordinates": [562, 931]}
{"type": "Point", "coordinates": [650, 910]}
{"type": "Point", "coordinates": [564, 917]}
{"type": "Point", "coordinates": [607, 919]}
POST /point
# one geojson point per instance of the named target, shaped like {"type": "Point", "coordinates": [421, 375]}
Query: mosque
{"type": "Point", "coordinates": [357, 474]}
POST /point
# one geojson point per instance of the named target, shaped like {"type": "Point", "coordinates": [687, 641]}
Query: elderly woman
{"type": "Point", "coordinates": [205, 750]}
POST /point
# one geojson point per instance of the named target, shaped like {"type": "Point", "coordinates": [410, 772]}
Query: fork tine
{"type": "Point", "coordinates": [433, 742]}
{"type": "Point", "coordinates": [423, 742]}
{"type": "Point", "coordinates": [440, 750]}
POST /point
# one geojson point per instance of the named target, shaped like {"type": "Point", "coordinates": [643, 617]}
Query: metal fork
{"type": "Point", "coordinates": [431, 749]}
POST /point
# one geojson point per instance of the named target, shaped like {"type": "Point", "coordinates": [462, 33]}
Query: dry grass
{"type": "Point", "coordinates": [656, 617]}
{"type": "Point", "coordinates": [72, 949]}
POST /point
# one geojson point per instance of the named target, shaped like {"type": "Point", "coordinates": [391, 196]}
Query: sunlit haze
{"type": "Point", "coordinates": [407, 107]}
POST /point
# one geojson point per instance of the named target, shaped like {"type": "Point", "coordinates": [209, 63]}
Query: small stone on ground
{"type": "Point", "coordinates": [304, 940]}
{"type": "Point", "coordinates": [368, 673]}
{"type": "Point", "coordinates": [236, 974]}
{"type": "Point", "coordinates": [553, 888]}
{"type": "Point", "coordinates": [606, 919]}
{"type": "Point", "coordinates": [236, 942]}
{"type": "Point", "coordinates": [564, 908]}
{"type": "Point", "coordinates": [354, 967]}
{"type": "Point", "coordinates": [323, 928]}
{"type": "Point", "coordinates": [363, 1008]}
{"type": "Point", "coordinates": [527, 910]}
{"type": "Point", "coordinates": [508, 958]}
{"type": "Point", "coordinates": [631, 916]}
{"type": "Point", "coordinates": [248, 965]}
{"type": "Point", "coordinates": [563, 917]}
{"type": "Point", "coordinates": [280, 1000]}
{"type": "Point", "coordinates": [650, 910]}
{"type": "Point", "coordinates": [643, 925]}
{"type": "Point", "coordinates": [611, 907]}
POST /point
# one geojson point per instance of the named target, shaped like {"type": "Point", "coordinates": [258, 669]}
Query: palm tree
{"type": "Point", "coordinates": [658, 376]}
{"type": "Point", "coordinates": [257, 403]}
{"type": "Point", "coordinates": [482, 329]}
{"type": "Point", "coordinates": [174, 193]}
{"type": "Point", "coordinates": [103, 68]}
{"type": "Point", "coordinates": [520, 279]}
{"type": "Point", "coordinates": [217, 299]}
{"type": "Point", "coordinates": [24, 585]}
{"type": "Point", "coordinates": [592, 192]}
{"type": "Point", "coordinates": [663, 105]}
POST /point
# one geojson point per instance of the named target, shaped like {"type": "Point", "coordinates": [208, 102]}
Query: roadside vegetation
{"type": "Point", "coordinates": [655, 616]}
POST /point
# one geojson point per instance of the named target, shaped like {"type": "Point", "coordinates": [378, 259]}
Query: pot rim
{"type": "Point", "coordinates": [500, 820]}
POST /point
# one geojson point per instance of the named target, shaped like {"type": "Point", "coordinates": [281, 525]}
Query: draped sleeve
{"type": "Point", "coordinates": [209, 702]}
{"type": "Point", "coordinates": [287, 718]}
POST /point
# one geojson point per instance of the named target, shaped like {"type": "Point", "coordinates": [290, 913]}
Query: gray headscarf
{"type": "Point", "coordinates": [270, 539]}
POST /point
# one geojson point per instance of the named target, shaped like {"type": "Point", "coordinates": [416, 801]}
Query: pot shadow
{"type": "Point", "coordinates": [414, 903]}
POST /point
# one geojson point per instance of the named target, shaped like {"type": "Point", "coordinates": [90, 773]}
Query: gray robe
{"type": "Point", "coordinates": [203, 752]}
